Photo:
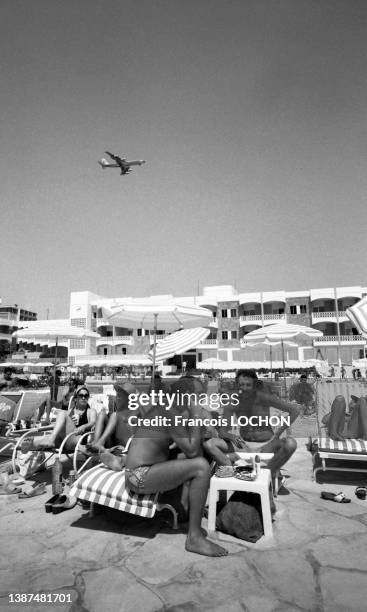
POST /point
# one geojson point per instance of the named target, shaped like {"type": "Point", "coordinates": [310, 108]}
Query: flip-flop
{"type": "Point", "coordinates": [37, 489]}
{"type": "Point", "coordinates": [7, 491]}
{"type": "Point", "coordinates": [27, 445]}
{"type": "Point", "coordinates": [361, 492]}
{"type": "Point", "coordinates": [336, 497]}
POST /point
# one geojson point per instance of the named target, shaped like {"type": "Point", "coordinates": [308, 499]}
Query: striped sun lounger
{"type": "Point", "coordinates": [346, 450]}
{"type": "Point", "coordinates": [99, 485]}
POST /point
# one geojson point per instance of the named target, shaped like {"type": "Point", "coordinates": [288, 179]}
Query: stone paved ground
{"type": "Point", "coordinates": [114, 562]}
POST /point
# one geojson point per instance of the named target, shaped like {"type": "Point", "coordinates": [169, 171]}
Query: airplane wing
{"type": "Point", "coordinates": [116, 158]}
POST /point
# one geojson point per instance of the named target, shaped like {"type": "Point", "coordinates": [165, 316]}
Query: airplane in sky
{"type": "Point", "coordinates": [122, 163]}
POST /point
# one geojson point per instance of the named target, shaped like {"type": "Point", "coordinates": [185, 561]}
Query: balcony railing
{"type": "Point", "coordinates": [114, 339]}
{"type": "Point", "coordinates": [258, 317]}
{"type": "Point", "coordinates": [209, 341]}
{"type": "Point", "coordinates": [342, 339]}
{"type": "Point", "coordinates": [328, 315]}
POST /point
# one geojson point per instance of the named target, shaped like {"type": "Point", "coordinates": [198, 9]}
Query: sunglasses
{"type": "Point", "coordinates": [83, 395]}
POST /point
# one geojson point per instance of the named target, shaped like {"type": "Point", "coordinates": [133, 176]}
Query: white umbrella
{"type": "Point", "coordinates": [280, 332]}
{"type": "Point", "coordinates": [57, 330]}
{"type": "Point", "coordinates": [179, 342]}
{"type": "Point", "coordinates": [146, 314]}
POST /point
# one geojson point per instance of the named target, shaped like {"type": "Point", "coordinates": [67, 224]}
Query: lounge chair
{"type": "Point", "coordinates": [325, 448]}
{"type": "Point", "coordinates": [26, 410]}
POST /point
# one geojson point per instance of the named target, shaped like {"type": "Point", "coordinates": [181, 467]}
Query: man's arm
{"type": "Point", "coordinates": [274, 401]}
{"type": "Point", "coordinates": [224, 431]}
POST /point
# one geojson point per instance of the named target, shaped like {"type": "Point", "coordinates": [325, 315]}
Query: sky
{"type": "Point", "coordinates": [250, 114]}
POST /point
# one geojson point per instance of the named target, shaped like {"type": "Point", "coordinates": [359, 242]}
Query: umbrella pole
{"type": "Point", "coordinates": [271, 363]}
{"type": "Point", "coordinates": [154, 346]}
{"type": "Point", "coordinates": [54, 381]}
{"type": "Point", "coordinates": [285, 384]}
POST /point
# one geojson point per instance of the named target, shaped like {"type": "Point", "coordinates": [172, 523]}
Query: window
{"type": "Point", "coordinates": [78, 322]}
{"type": "Point", "coordinates": [234, 335]}
{"type": "Point", "coordinates": [200, 356]}
{"type": "Point", "coordinates": [224, 313]}
{"type": "Point", "coordinates": [224, 335]}
{"type": "Point", "coordinates": [233, 312]}
{"type": "Point", "coordinates": [140, 332]}
{"type": "Point", "coordinates": [105, 351]}
{"type": "Point", "coordinates": [77, 343]}
{"type": "Point", "coordinates": [293, 310]}
{"type": "Point", "coordinates": [123, 350]}
{"type": "Point", "coordinates": [303, 308]}
{"type": "Point", "coordinates": [214, 314]}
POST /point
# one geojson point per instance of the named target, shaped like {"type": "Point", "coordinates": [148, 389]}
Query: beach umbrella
{"type": "Point", "coordinates": [56, 331]}
{"type": "Point", "coordinates": [179, 342]}
{"type": "Point", "coordinates": [279, 332]}
{"type": "Point", "coordinates": [149, 313]}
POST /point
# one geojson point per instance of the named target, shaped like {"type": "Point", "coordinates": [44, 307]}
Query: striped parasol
{"type": "Point", "coordinates": [358, 315]}
{"type": "Point", "coordinates": [179, 342]}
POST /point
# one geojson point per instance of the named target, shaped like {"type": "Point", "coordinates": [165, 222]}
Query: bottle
{"type": "Point", "coordinates": [57, 477]}
{"type": "Point", "coordinates": [257, 465]}
{"type": "Point", "coordinates": [72, 477]}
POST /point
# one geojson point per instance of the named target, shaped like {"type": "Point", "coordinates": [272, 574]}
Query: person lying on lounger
{"type": "Point", "coordinates": [149, 469]}
{"type": "Point", "coordinates": [80, 420]}
{"type": "Point", "coordinates": [340, 426]}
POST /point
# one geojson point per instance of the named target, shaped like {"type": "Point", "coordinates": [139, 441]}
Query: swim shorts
{"type": "Point", "coordinates": [135, 477]}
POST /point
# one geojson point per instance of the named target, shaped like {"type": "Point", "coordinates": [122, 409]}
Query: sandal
{"type": "Point", "coordinates": [336, 497]}
{"type": "Point", "coordinates": [36, 489]}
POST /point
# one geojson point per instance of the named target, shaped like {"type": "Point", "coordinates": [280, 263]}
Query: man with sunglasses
{"type": "Point", "coordinates": [78, 421]}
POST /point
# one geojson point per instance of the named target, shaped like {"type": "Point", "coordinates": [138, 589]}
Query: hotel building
{"type": "Point", "coordinates": [234, 316]}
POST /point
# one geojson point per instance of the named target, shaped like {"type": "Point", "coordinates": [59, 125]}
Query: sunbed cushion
{"type": "Point", "coordinates": [103, 486]}
{"type": "Point", "coordinates": [352, 446]}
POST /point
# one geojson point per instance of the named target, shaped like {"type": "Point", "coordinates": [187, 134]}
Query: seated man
{"type": "Point", "coordinates": [149, 469]}
{"type": "Point", "coordinates": [256, 402]}
{"type": "Point", "coordinates": [80, 420]}
{"type": "Point", "coordinates": [339, 427]}
{"type": "Point", "coordinates": [114, 430]}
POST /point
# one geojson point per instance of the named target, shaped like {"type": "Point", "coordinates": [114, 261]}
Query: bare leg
{"type": "Point", "coordinates": [99, 436]}
{"type": "Point", "coordinates": [337, 418]}
{"type": "Point", "coordinates": [169, 475]}
{"type": "Point", "coordinates": [283, 449]}
{"type": "Point", "coordinates": [357, 426]}
{"type": "Point", "coordinates": [63, 426]}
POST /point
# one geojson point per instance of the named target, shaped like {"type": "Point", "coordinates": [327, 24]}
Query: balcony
{"type": "Point", "coordinates": [208, 343]}
{"type": "Point", "coordinates": [114, 340]}
{"type": "Point", "coordinates": [333, 340]}
{"type": "Point", "coordinates": [257, 319]}
{"type": "Point", "coordinates": [329, 316]}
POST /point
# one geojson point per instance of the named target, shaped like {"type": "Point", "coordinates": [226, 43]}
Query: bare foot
{"type": "Point", "coordinates": [202, 546]}
{"type": "Point", "coordinates": [112, 462]}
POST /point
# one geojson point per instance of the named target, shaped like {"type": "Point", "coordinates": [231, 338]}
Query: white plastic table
{"type": "Point", "coordinates": [262, 486]}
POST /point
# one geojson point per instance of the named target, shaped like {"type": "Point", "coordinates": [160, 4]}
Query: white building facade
{"type": "Point", "coordinates": [234, 316]}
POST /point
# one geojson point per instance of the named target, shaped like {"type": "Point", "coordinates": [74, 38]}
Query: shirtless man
{"type": "Point", "coordinates": [253, 401]}
{"type": "Point", "coordinates": [338, 426]}
{"type": "Point", "coordinates": [149, 470]}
